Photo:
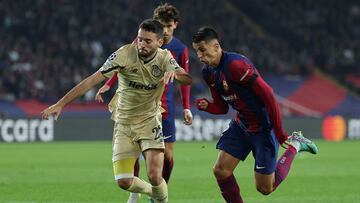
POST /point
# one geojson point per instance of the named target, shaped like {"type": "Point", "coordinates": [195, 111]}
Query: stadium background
{"type": "Point", "coordinates": [308, 51]}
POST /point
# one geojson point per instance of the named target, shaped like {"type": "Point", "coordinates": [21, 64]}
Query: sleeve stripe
{"type": "Point", "coordinates": [109, 70]}
{"type": "Point", "coordinates": [243, 77]}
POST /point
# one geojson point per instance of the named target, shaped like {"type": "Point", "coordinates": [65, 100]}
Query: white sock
{"type": "Point", "coordinates": [296, 145]}
{"type": "Point", "coordinates": [133, 197]}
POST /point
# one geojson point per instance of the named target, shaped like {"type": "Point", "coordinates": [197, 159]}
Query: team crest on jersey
{"type": "Point", "coordinates": [225, 86]}
{"type": "Point", "coordinates": [155, 71]}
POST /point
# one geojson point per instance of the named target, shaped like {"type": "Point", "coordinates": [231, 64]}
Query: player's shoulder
{"type": "Point", "coordinates": [175, 45]}
{"type": "Point", "coordinates": [235, 59]}
{"type": "Point", "coordinates": [125, 54]}
{"type": "Point", "coordinates": [179, 43]}
{"type": "Point", "coordinates": [163, 53]}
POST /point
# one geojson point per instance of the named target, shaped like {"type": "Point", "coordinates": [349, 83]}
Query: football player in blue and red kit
{"type": "Point", "coordinates": [169, 17]}
{"type": "Point", "coordinates": [257, 127]}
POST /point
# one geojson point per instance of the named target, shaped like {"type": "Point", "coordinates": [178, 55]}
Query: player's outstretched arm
{"type": "Point", "coordinates": [74, 93]}
{"type": "Point", "coordinates": [183, 77]}
{"type": "Point", "coordinates": [180, 76]}
{"type": "Point", "coordinates": [106, 87]}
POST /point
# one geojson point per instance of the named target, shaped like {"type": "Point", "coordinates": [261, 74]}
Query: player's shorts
{"type": "Point", "coordinates": [169, 130]}
{"type": "Point", "coordinates": [130, 140]}
{"type": "Point", "coordinates": [263, 145]}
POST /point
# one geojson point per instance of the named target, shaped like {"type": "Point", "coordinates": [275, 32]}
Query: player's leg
{"type": "Point", "coordinates": [296, 143]}
{"type": "Point", "coordinates": [125, 153]}
{"type": "Point", "coordinates": [154, 164]}
{"type": "Point", "coordinates": [268, 173]}
{"type": "Point", "coordinates": [168, 161]}
{"type": "Point", "coordinates": [168, 125]}
{"type": "Point", "coordinates": [152, 144]}
{"type": "Point", "coordinates": [223, 171]}
{"type": "Point", "coordinates": [234, 146]}
{"type": "Point", "coordinates": [134, 197]}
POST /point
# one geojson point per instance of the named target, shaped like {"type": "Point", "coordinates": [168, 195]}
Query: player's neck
{"type": "Point", "coordinates": [216, 62]}
{"type": "Point", "coordinates": [149, 58]}
{"type": "Point", "coordinates": [168, 41]}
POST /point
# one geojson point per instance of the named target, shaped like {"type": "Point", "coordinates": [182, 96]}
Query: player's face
{"type": "Point", "coordinates": [147, 43]}
{"type": "Point", "coordinates": [208, 52]}
{"type": "Point", "coordinates": [169, 28]}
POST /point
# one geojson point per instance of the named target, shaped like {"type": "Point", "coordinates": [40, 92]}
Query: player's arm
{"type": "Point", "coordinates": [185, 89]}
{"type": "Point", "coordinates": [244, 74]}
{"type": "Point", "coordinates": [218, 106]}
{"type": "Point", "coordinates": [74, 93]}
{"type": "Point", "coordinates": [174, 71]}
{"type": "Point", "coordinates": [106, 87]}
{"type": "Point", "coordinates": [266, 93]}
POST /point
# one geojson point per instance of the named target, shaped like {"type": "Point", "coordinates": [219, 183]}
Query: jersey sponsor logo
{"type": "Point", "coordinates": [229, 98]}
{"type": "Point", "coordinates": [155, 71]}
{"type": "Point", "coordinates": [142, 86]}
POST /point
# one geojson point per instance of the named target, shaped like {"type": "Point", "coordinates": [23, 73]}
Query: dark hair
{"type": "Point", "coordinates": [205, 34]}
{"type": "Point", "coordinates": [154, 26]}
{"type": "Point", "coordinates": [166, 12]}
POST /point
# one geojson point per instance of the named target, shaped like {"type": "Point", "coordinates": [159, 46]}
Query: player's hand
{"type": "Point", "coordinates": [103, 89]}
{"type": "Point", "coordinates": [202, 104]}
{"type": "Point", "coordinates": [188, 118]}
{"type": "Point", "coordinates": [52, 110]}
{"type": "Point", "coordinates": [169, 76]}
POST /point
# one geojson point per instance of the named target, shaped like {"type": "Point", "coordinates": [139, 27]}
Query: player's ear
{"type": "Point", "coordinates": [176, 24]}
{"type": "Point", "coordinates": [216, 46]}
{"type": "Point", "coordinates": [160, 41]}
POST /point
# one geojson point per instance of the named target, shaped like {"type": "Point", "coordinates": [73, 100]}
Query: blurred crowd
{"type": "Point", "coordinates": [46, 47]}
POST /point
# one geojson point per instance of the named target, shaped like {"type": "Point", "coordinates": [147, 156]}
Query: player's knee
{"type": "Point", "coordinates": [221, 172]}
{"type": "Point", "coordinates": [264, 190]}
{"type": "Point", "coordinates": [155, 178]}
{"type": "Point", "coordinates": [168, 155]}
{"type": "Point", "coordinates": [124, 183]}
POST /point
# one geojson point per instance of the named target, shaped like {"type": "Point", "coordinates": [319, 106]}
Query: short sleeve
{"type": "Point", "coordinates": [112, 63]}
{"type": "Point", "coordinates": [170, 63]}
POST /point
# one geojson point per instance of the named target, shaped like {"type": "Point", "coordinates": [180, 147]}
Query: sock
{"type": "Point", "coordinates": [283, 165]}
{"type": "Point", "coordinates": [140, 186]}
{"type": "Point", "coordinates": [230, 189]}
{"type": "Point", "coordinates": [167, 168]}
{"type": "Point", "coordinates": [296, 145]}
{"type": "Point", "coordinates": [137, 168]}
{"type": "Point", "coordinates": [134, 197]}
{"type": "Point", "coordinates": [160, 193]}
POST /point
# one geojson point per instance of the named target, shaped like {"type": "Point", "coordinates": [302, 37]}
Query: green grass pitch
{"type": "Point", "coordinates": [82, 172]}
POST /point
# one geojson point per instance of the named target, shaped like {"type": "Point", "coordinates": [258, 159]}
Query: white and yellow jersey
{"type": "Point", "coordinates": [139, 92]}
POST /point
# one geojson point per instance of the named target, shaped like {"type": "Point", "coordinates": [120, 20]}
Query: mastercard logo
{"type": "Point", "coordinates": [334, 128]}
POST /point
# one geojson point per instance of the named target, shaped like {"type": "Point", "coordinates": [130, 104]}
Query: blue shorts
{"type": "Point", "coordinates": [169, 131]}
{"type": "Point", "coordinates": [263, 145]}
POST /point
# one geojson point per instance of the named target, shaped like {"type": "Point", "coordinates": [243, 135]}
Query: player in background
{"type": "Point", "coordinates": [257, 127]}
{"type": "Point", "coordinates": [169, 17]}
{"type": "Point", "coordinates": [143, 70]}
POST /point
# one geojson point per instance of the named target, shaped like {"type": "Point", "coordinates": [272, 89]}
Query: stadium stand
{"type": "Point", "coordinates": [48, 46]}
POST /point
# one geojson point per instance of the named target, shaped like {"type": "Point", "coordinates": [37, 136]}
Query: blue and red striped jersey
{"type": "Point", "coordinates": [236, 82]}
{"type": "Point", "coordinates": [181, 54]}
